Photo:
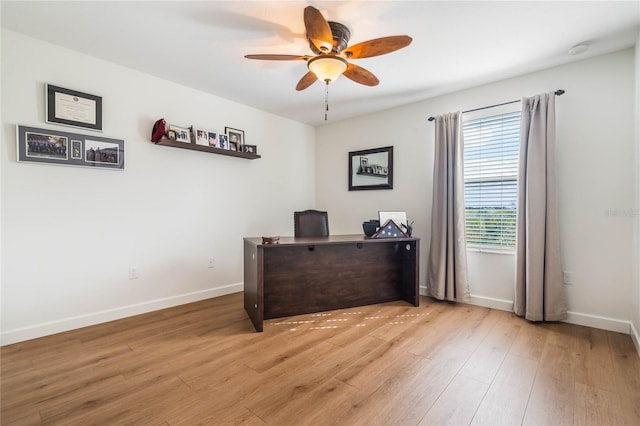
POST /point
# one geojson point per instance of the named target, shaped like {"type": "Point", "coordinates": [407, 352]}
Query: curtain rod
{"type": "Point", "coordinates": [557, 92]}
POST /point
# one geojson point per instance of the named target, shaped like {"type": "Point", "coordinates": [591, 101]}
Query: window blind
{"type": "Point", "coordinates": [491, 147]}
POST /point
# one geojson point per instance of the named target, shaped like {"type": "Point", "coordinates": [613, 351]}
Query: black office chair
{"type": "Point", "coordinates": [311, 223]}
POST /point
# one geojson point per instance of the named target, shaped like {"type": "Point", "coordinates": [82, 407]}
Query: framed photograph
{"type": "Point", "coordinates": [70, 149]}
{"type": "Point", "coordinates": [233, 146]}
{"type": "Point", "coordinates": [76, 150]}
{"type": "Point", "coordinates": [250, 149]}
{"type": "Point", "coordinates": [183, 134]}
{"type": "Point", "coordinates": [371, 169]}
{"type": "Point", "coordinates": [171, 134]}
{"type": "Point", "coordinates": [235, 136]}
{"type": "Point", "coordinates": [213, 139]}
{"type": "Point", "coordinates": [72, 108]}
{"type": "Point", "coordinates": [223, 141]}
{"type": "Point", "coordinates": [201, 136]}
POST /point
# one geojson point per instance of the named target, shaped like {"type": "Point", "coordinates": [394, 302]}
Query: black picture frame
{"type": "Point", "coordinates": [235, 136]}
{"type": "Point", "coordinates": [371, 169]}
{"type": "Point", "coordinates": [72, 108]}
{"type": "Point", "coordinates": [48, 146]}
{"type": "Point", "coordinates": [250, 149]}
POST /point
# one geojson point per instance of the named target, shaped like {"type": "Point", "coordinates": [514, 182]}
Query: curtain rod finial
{"type": "Point", "coordinates": [559, 92]}
{"type": "Point", "coordinates": [431, 118]}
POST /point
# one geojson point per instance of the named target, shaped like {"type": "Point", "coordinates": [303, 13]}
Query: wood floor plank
{"type": "Point", "coordinates": [506, 400]}
{"type": "Point", "coordinates": [275, 396]}
{"type": "Point", "coordinates": [552, 396]}
{"type": "Point", "coordinates": [594, 363]}
{"type": "Point", "coordinates": [530, 341]}
{"type": "Point", "coordinates": [626, 365]}
{"type": "Point", "coordinates": [485, 362]}
{"type": "Point", "coordinates": [387, 364]}
{"type": "Point", "coordinates": [457, 404]}
{"type": "Point", "coordinates": [311, 409]}
{"type": "Point", "coordinates": [405, 398]}
{"type": "Point", "coordinates": [597, 407]}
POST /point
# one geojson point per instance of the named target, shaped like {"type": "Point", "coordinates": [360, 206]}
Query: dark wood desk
{"type": "Point", "coordinates": [305, 275]}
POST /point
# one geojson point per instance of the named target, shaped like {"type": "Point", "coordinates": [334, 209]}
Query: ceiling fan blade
{"type": "Point", "coordinates": [318, 30]}
{"type": "Point", "coordinates": [307, 80]}
{"type": "Point", "coordinates": [375, 47]}
{"type": "Point", "coordinates": [361, 75]}
{"type": "Point", "coordinates": [278, 57]}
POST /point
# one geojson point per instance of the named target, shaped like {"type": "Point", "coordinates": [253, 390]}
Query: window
{"type": "Point", "coordinates": [491, 147]}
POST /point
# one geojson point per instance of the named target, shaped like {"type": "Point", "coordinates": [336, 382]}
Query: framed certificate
{"type": "Point", "coordinates": [73, 108]}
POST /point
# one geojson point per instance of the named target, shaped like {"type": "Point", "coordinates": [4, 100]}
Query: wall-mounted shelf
{"type": "Point", "coordinates": [196, 147]}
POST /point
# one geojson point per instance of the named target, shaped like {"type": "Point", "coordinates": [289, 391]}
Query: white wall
{"type": "Point", "coordinates": [595, 133]}
{"type": "Point", "coordinates": [69, 235]}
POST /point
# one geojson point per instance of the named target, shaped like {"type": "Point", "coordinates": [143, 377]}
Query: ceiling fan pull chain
{"type": "Point", "coordinates": [326, 100]}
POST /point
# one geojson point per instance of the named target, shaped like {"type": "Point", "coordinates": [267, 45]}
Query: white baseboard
{"type": "Point", "coordinates": [65, 324]}
{"type": "Point", "coordinates": [490, 302]}
{"type": "Point", "coordinates": [595, 321]}
{"type": "Point", "coordinates": [588, 320]}
{"type": "Point", "coordinates": [635, 337]}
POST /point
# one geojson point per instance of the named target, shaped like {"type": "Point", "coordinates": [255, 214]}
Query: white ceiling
{"type": "Point", "coordinates": [202, 44]}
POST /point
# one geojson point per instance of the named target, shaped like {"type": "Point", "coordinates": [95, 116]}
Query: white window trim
{"type": "Point", "coordinates": [483, 113]}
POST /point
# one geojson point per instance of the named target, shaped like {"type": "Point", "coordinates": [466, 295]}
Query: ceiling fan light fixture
{"type": "Point", "coordinates": [327, 68]}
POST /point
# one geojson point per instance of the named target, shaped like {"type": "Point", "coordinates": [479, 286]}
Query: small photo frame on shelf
{"type": "Point", "coordinates": [72, 108]}
{"type": "Point", "coordinates": [236, 136]}
{"type": "Point", "coordinates": [250, 149]}
{"type": "Point", "coordinates": [213, 139]}
{"type": "Point", "coordinates": [182, 134]}
{"type": "Point", "coordinates": [223, 141]}
{"type": "Point", "coordinates": [233, 146]}
{"type": "Point", "coordinates": [201, 136]}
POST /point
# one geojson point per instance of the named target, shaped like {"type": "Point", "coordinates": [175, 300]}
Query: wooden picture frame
{"type": "Point", "coordinates": [371, 169]}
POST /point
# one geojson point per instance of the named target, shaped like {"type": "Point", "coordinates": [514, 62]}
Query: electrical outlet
{"type": "Point", "coordinates": [133, 272]}
{"type": "Point", "coordinates": [567, 277]}
{"type": "Point", "coordinates": [211, 263]}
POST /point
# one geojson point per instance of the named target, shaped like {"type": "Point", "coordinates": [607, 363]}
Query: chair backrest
{"type": "Point", "coordinates": [311, 223]}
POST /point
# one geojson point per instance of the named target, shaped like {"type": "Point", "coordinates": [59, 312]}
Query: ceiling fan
{"type": "Point", "coordinates": [328, 40]}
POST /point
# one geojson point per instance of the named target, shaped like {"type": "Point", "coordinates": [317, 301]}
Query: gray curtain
{"type": "Point", "coordinates": [447, 264]}
{"type": "Point", "coordinates": [539, 295]}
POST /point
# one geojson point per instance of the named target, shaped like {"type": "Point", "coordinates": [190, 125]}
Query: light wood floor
{"type": "Point", "coordinates": [389, 364]}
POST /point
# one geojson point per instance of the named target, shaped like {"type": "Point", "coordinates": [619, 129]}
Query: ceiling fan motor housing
{"type": "Point", "coordinates": [341, 36]}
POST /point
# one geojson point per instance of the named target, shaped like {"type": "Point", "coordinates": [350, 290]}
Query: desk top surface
{"type": "Point", "coordinates": [332, 239]}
